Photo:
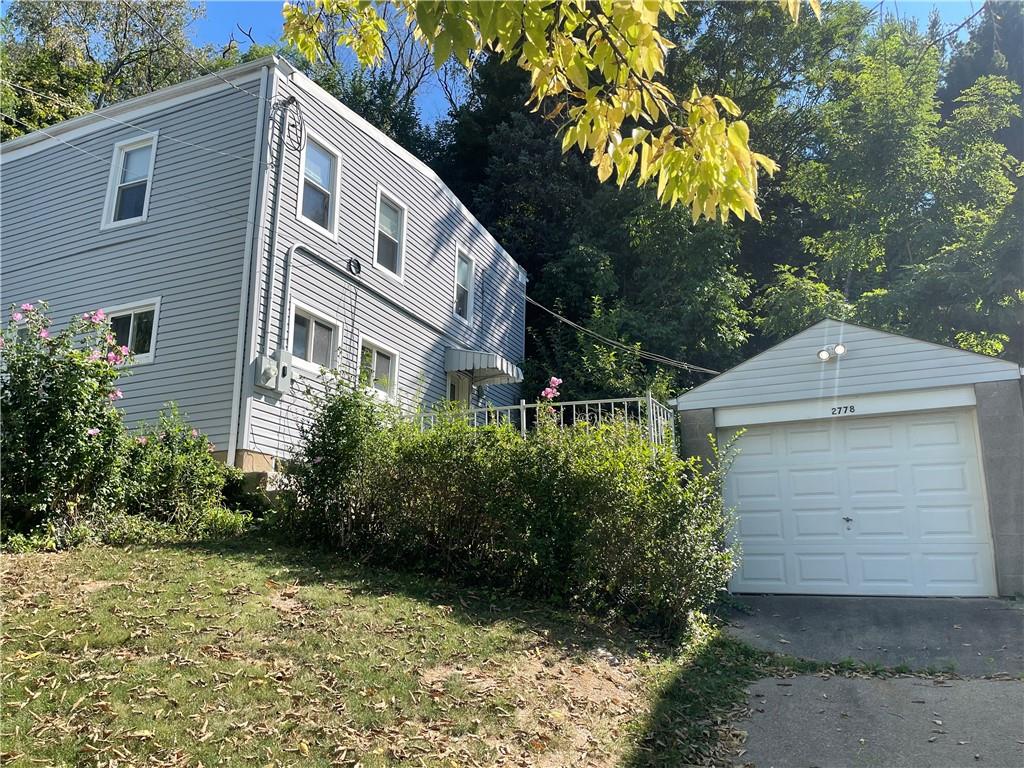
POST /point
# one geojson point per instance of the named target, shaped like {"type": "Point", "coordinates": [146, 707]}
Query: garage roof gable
{"type": "Point", "coordinates": [875, 361]}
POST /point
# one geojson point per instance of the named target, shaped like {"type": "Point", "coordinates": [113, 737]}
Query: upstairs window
{"type": "Point", "coordinates": [464, 270]}
{"type": "Point", "coordinates": [131, 177]}
{"type": "Point", "coordinates": [135, 327]}
{"type": "Point", "coordinates": [312, 339]}
{"type": "Point", "coordinates": [390, 234]}
{"type": "Point", "coordinates": [378, 368]}
{"type": "Point", "coordinates": [319, 183]}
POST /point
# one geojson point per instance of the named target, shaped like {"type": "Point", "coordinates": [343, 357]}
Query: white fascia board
{"type": "Point", "coordinates": [840, 407]}
{"type": "Point", "coordinates": [130, 110]}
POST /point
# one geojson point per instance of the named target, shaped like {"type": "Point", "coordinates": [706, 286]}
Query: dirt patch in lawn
{"type": "Point", "coordinates": [98, 585]}
{"type": "Point", "coordinates": [564, 711]}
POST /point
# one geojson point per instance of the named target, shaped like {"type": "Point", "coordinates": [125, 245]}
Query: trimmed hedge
{"type": "Point", "coordinates": [579, 515]}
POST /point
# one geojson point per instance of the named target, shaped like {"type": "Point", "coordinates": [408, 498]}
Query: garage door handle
{"type": "Point", "coordinates": [848, 519]}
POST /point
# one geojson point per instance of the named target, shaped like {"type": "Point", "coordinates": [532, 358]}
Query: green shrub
{"type": "Point", "coordinates": [582, 515]}
{"type": "Point", "coordinates": [71, 473]}
{"type": "Point", "coordinates": [172, 475]}
{"type": "Point", "coordinates": [60, 433]}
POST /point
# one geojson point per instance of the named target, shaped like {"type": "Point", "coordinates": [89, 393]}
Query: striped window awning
{"type": "Point", "coordinates": [484, 367]}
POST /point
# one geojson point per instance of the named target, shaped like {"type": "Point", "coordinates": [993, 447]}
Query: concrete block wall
{"type": "Point", "coordinates": [1000, 409]}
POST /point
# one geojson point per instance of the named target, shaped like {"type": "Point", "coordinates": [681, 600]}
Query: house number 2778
{"type": "Point", "coordinates": [841, 410]}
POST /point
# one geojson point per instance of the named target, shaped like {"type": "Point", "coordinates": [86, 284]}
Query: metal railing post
{"type": "Point", "coordinates": [522, 418]}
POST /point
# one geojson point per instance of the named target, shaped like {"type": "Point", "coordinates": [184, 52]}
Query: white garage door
{"type": "Point", "coordinates": [891, 505]}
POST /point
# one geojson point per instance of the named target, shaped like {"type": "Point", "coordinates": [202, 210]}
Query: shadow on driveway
{"type": "Point", "coordinates": [973, 637]}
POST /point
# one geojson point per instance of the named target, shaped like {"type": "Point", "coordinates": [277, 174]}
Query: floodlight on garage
{"type": "Point", "coordinates": [831, 352]}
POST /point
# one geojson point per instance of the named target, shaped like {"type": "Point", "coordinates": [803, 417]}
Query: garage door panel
{"type": "Point", "coordinates": [880, 505]}
{"type": "Point", "coordinates": [887, 571]}
{"type": "Point", "coordinates": [874, 481]}
{"type": "Point", "coordinates": [940, 478]}
{"type": "Point", "coordinates": [943, 522]}
{"type": "Point", "coordinates": [760, 525]}
{"type": "Point", "coordinates": [763, 571]}
{"type": "Point", "coordinates": [818, 524]}
{"type": "Point", "coordinates": [814, 483]}
{"type": "Point", "coordinates": [822, 569]}
{"type": "Point", "coordinates": [800, 442]}
{"type": "Point", "coordinates": [869, 439]}
{"type": "Point", "coordinates": [881, 523]}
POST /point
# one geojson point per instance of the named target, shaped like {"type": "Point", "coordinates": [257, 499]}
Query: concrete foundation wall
{"type": "Point", "coordinates": [1001, 428]}
{"type": "Point", "coordinates": [694, 428]}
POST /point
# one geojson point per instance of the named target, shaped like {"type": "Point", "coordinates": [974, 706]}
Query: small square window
{"type": "Point", "coordinates": [319, 179]}
{"type": "Point", "coordinates": [390, 231]}
{"type": "Point", "coordinates": [312, 340]}
{"type": "Point", "coordinates": [378, 368]}
{"type": "Point", "coordinates": [131, 179]}
{"type": "Point", "coordinates": [135, 328]}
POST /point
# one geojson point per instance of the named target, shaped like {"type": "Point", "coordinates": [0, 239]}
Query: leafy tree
{"type": "Point", "coordinates": [915, 209]}
{"type": "Point", "coordinates": [598, 66]}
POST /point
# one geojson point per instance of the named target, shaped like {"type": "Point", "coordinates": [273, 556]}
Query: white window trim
{"type": "Point", "coordinates": [393, 199]}
{"type": "Point", "coordinates": [459, 376]}
{"type": "Point", "coordinates": [471, 302]}
{"type": "Point", "coordinates": [140, 306]}
{"type": "Point", "coordinates": [332, 231]}
{"type": "Point", "coordinates": [307, 366]}
{"type": "Point", "coordinates": [114, 180]}
{"type": "Point", "coordinates": [392, 394]}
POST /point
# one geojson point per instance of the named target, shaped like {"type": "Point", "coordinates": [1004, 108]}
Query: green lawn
{"type": "Point", "coordinates": [253, 655]}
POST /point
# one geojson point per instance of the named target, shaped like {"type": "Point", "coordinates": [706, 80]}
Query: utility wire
{"type": "Point", "coordinates": [131, 7]}
{"type": "Point", "coordinates": [619, 345]}
{"type": "Point", "coordinates": [28, 127]}
{"type": "Point", "coordinates": [99, 114]}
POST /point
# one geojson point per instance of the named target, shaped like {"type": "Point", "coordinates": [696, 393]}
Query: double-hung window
{"type": "Point", "coordinates": [135, 327]}
{"type": "Point", "coordinates": [131, 180]}
{"type": "Point", "coordinates": [464, 270]}
{"type": "Point", "coordinates": [390, 234]}
{"type": "Point", "coordinates": [312, 339]}
{"type": "Point", "coordinates": [317, 203]}
{"type": "Point", "coordinates": [378, 368]}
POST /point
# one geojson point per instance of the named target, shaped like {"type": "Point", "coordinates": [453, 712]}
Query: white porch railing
{"type": "Point", "coordinates": [655, 417]}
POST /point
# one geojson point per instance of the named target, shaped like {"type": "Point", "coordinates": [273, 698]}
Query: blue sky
{"type": "Point", "coordinates": [264, 17]}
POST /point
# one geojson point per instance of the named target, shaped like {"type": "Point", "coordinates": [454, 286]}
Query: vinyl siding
{"type": "Point", "coordinates": [876, 361]}
{"type": "Point", "coordinates": [414, 316]}
{"type": "Point", "coordinates": [189, 252]}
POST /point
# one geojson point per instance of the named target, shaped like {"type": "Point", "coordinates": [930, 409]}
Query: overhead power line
{"type": "Point", "coordinates": [660, 359]}
{"type": "Point", "coordinates": [99, 114]}
{"type": "Point", "coordinates": [131, 7]}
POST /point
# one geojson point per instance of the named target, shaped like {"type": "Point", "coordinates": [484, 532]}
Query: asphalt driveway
{"type": "Point", "coordinates": [971, 637]}
{"type": "Point", "coordinates": [821, 721]}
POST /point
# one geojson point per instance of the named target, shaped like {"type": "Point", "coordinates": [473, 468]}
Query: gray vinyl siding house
{"type": "Point", "coordinates": [235, 267]}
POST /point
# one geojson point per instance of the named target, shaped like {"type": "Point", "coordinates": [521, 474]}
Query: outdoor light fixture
{"type": "Point", "coordinates": [831, 352]}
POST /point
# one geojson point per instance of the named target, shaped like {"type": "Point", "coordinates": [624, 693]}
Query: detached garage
{"type": "Point", "coordinates": [869, 464]}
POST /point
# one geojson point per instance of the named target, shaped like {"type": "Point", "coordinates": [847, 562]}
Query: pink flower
{"type": "Point", "coordinates": [111, 357]}
{"type": "Point", "coordinates": [110, 338]}
{"type": "Point", "coordinates": [1, 342]}
{"type": "Point", "coordinates": [16, 316]}
{"type": "Point", "coordinates": [142, 440]}
{"type": "Point", "coordinates": [117, 394]}
{"type": "Point", "coordinates": [547, 393]}
{"type": "Point", "coordinates": [44, 334]}
{"type": "Point", "coordinates": [27, 307]}
{"type": "Point", "coordinates": [85, 315]}
{"type": "Point", "coordinates": [94, 355]}
{"type": "Point", "coordinates": [92, 431]}
{"type": "Point", "coordinates": [98, 316]}
{"type": "Point", "coordinates": [124, 350]}
{"type": "Point", "coordinates": [555, 381]}
{"type": "Point", "coordinates": [195, 433]}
